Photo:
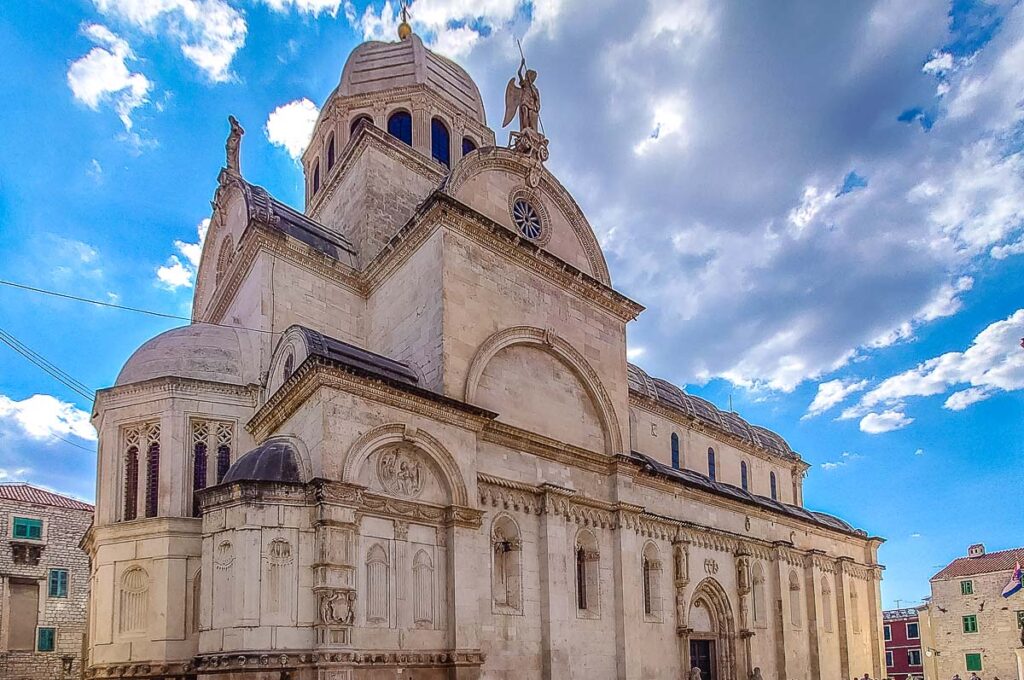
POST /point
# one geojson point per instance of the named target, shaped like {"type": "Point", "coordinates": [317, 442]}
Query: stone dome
{"type": "Point", "coordinates": [275, 460]}
{"type": "Point", "coordinates": [378, 66]}
{"type": "Point", "coordinates": [200, 351]}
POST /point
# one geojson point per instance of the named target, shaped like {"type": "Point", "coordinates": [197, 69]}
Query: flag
{"type": "Point", "coordinates": [1015, 583]}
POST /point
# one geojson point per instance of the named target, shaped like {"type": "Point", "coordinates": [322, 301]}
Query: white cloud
{"type": "Point", "coordinates": [915, 535]}
{"type": "Point", "coordinates": [1003, 252]}
{"type": "Point", "coordinates": [994, 362]}
{"type": "Point", "coordinates": [15, 475]}
{"type": "Point", "coordinates": [919, 452]}
{"type": "Point", "coordinates": [102, 76]}
{"type": "Point", "coordinates": [812, 202]}
{"type": "Point", "coordinates": [887, 421]}
{"type": "Point", "coordinates": [844, 459]}
{"type": "Point", "coordinates": [940, 62]}
{"type": "Point", "coordinates": [313, 7]}
{"type": "Point", "coordinates": [635, 352]}
{"type": "Point", "coordinates": [668, 120]}
{"type": "Point", "coordinates": [291, 126]}
{"type": "Point", "coordinates": [832, 393]}
{"type": "Point", "coordinates": [181, 274]}
{"type": "Point", "coordinates": [208, 32]}
{"type": "Point", "coordinates": [44, 417]}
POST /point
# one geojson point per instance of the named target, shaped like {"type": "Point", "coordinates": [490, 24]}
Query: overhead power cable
{"type": "Point", "coordinates": [126, 308]}
{"type": "Point", "coordinates": [61, 376]}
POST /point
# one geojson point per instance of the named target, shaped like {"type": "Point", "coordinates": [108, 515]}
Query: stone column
{"type": "Point", "coordinates": [555, 589]}
{"type": "Point", "coordinates": [334, 565]}
{"type": "Point", "coordinates": [842, 623]}
{"type": "Point", "coordinates": [628, 590]}
{"type": "Point", "coordinates": [812, 579]}
{"type": "Point", "coordinates": [780, 583]}
{"type": "Point", "coordinates": [681, 571]}
{"type": "Point", "coordinates": [467, 582]}
{"type": "Point", "coordinates": [875, 621]}
{"type": "Point", "coordinates": [744, 666]}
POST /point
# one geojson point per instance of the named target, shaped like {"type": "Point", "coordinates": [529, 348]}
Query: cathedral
{"type": "Point", "coordinates": [401, 440]}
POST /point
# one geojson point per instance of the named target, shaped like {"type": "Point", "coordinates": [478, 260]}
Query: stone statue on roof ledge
{"type": "Point", "coordinates": [524, 99]}
{"type": "Point", "coordinates": [234, 145]}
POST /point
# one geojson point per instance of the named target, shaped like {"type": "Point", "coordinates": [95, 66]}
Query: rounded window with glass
{"type": "Point", "coordinates": [527, 219]}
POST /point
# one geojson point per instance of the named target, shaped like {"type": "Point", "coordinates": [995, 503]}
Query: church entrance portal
{"type": "Point", "coordinates": [702, 656]}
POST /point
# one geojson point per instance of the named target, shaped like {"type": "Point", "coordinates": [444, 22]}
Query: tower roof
{"type": "Point", "coordinates": [377, 66]}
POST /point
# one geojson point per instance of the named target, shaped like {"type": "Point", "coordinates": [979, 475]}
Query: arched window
{"type": "Point", "coordinates": [289, 366]}
{"type": "Point", "coordinates": [131, 483]}
{"type": "Point", "coordinates": [377, 592]}
{"type": "Point", "coordinates": [675, 451]}
{"type": "Point", "coordinates": [794, 600]}
{"type": "Point", "coordinates": [199, 446]}
{"type": "Point", "coordinates": [223, 461]}
{"type": "Point", "coordinates": [423, 590]}
{"type": "Point", "coordinates": [316, 176]}
{"type": "Point", "coordinates": [588, 584]}
{"type": "Point", "coordinates": [711, 464]}
{"type": "Point", "coordinates": [152, 479]}
{"type": "Point", "coordinates": [651, 565]}
{"type": "Point", "coordinates": [400, 126]}
{"type": "Point", "coordinates": [357, 121]}
{"type": "Point", "coordinates": [758, 594]}
{"type": "Point", "coordinates": [440, 142]}
{"type": "Point", "coordinates": [775, 488]}
{"type": "Point", "coordinates": [330, 152]}
{"type": "Point", "coordinates": [826, 605]}
{"type": "Point", "coordinates": [468, 146]}
{"type": "Point", "coordinates": [506, 579]}
{"type": "Point", "coordinates": [743, 475]}
{"type": "Point", "coordinates": [134, 606]}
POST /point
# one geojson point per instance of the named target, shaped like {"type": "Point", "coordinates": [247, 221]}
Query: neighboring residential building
{"type": "Point", "coordinates": [401, 440]}
{"type": "Point", "coordinates": [967, 625]}
{"type": "Point", "coordinates": [44, 583]}
{"type": "Point", "coordinates": [902, 634]}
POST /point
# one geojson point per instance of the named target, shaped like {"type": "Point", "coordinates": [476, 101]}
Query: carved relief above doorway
{"type": "Point", "coordinates": [401, 472]}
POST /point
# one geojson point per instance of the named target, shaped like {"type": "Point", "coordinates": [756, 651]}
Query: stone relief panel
{"type": "Point", "coordinates": [134, 609]}
{"type": "Point", "coordinates": [279, 576]}
{"type": "Point", "coordinates": [403, 471]}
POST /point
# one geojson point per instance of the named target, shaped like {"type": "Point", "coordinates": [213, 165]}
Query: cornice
{"type": "Point", "coordinates": [316, 372]}
{"type": "Point", "coordinates": [510, 436]}
{"type": "Point", "coordinates": [170, 387]}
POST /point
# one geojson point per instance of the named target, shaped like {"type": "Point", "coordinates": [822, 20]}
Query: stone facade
{"type": "Point", "coordinates": [452, 471]}
{"type": "Point", "coordinates": [44, 584]}
{"type": "Point", "coordinates": [967, 616]}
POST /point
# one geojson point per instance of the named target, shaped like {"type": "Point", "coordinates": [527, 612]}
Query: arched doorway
{"type": "Point", "coordinates": [710, 643]}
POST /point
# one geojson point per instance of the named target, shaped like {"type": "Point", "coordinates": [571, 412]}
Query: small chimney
{"type": "Point", "coordinates": [976, 550]}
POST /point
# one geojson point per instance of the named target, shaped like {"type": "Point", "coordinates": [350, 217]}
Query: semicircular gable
{"type": "Point", "coordinates": [537, 381]}
{"type": "Point", "coordinates": [489, 180]}
{"type": "Point", "coordinates": [230, 217]}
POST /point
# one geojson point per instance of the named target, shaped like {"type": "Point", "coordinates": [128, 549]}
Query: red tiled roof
{"type": "Point", "coordinates": [26, 493]}
{"type": "Point", "coordinates": [1004, 560]}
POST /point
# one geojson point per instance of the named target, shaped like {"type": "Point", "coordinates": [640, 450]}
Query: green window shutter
{"type": "Point", "coordinates": [31, 529]}
{"type": "Point", "coordinates": [966, 587]}
{"type": "Point", "coordinates": [970, 624]}
{"type": "Point", "coordinates": [58, 583]}
{"type": "Point", "coordinates": [973, 662]}
{"type": "Point", "coordinates": [45, 639]}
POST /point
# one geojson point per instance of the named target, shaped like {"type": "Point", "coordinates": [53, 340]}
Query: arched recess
{"type": "Point", "coordinates": [710, 597]}
{"type": "Point", "coordinates": [499, 159]}
{"type": "Point", "coordinates": [567, 355]}
{"type": "Point", "coordinates": [292, 344]}
{"type": "Point", "coordinates": [397, 433]}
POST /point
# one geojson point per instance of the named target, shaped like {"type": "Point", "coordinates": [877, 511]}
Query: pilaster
{"type": "Point", "coordinates": [554, 585]}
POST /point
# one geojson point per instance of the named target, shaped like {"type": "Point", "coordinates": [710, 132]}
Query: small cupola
{"type": "Point", "coordinates": [976, 550]}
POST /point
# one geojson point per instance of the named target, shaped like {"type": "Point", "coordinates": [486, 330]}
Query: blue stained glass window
{"type": "Point", "coordinates": [400, 126]}
{"type": "Point", "coordinates": [440, 142]}
{"type": "Point", "coordinates": [675, 451]}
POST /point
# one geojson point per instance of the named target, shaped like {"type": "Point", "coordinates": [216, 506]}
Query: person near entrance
{"type": "Point", "coordinates": [695, 674]}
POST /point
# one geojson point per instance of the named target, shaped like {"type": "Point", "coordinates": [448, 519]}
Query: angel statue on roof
{"type": "Point", "coordinates": [524, 98]}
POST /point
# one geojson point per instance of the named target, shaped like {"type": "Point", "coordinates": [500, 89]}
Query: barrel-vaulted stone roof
{"type": "Point", "coordinates": [702, 410]}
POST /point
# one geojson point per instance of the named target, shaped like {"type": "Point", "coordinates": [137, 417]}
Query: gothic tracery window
{"type": "Point", "coordinates": [527, 219]}
{"type": "Point", "coordinates": [141, 446]}
{"type": "Point", "coordinates": [207, 436]}
{"type": "Point", "coordinates": [153, 479]}
{"type": "Point", "coordinates": [131, 484]}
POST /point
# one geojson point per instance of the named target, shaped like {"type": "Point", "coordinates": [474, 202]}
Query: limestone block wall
{"type": "Point", "coordinates": [62, 530]}
{"type": "Point", "coordinates": [652, 436]}
{"type": "Point", "coordinates": [997, 636]}
{"type": "Point", "coordinates": [484, 293]}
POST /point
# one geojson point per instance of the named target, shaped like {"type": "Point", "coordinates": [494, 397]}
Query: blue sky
{"type": "Point", "coordinates": [821, 206]}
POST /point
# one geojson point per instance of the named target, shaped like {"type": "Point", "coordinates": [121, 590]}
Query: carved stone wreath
{"type": "Point", "coordinates": [400, 472]}
{"type": "Point", "coordinates": [529, 216]}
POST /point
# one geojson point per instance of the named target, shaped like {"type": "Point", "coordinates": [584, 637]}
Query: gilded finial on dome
{"type": "Point", "coordinates": [404, 29]}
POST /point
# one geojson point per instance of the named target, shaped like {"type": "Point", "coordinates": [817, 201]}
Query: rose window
{"type": "Point", "coordinates": [527, 220]}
